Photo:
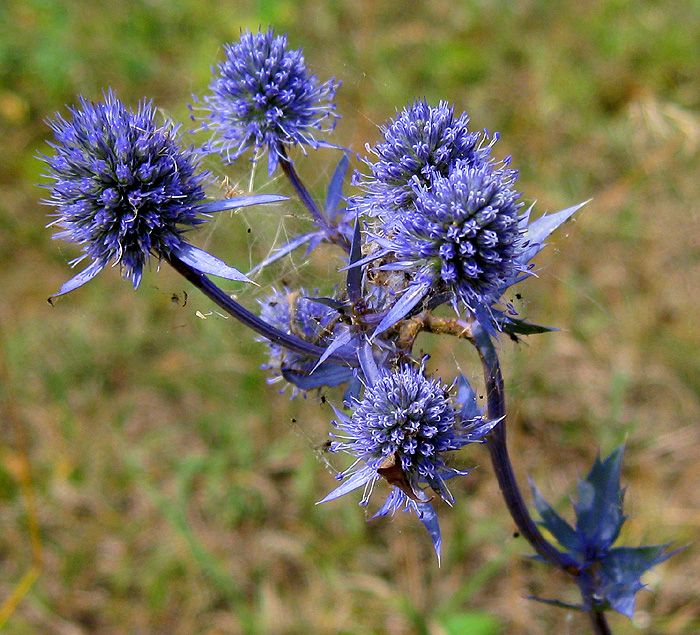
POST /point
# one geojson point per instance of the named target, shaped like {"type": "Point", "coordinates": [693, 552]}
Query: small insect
{"type": "Point", "coordinates": [325, 446]}
{"type": "Point", "coordinates": [391, 470]}
{"type": "Point", "coordinates": [230, 190]}
{"type": "Point", "coordinates": [179, 298]}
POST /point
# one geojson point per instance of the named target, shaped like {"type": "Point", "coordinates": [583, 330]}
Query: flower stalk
{"type": "Point", "coordinates": [252, 321]}
{"type": "Point", "coordinates": [500, 459]}
{"type": "Point", "coordinates": [332, 234]}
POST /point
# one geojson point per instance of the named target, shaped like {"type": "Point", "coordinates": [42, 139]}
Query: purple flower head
{"type": "Point", "coordinates": [422, 143]}
{"type": "Point", "coordinates": [463, 234]}
{"type": "Point", "coordinates": [402, 430]}
{"type": "Point", "coordinates": [462, 240]}
{"type": "Point", "coordinates": [264, 97]}
{"type": "Point", "coordinates": [125, 189]}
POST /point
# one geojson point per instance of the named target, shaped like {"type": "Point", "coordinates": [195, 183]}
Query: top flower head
{"type": "Point", "coordinates": [123, 185]}
{"type": "Point", "coordinates": [463, 234]}
{"type": "Point", "coordinates": [421, 143]}
{"type": "Point", "coordinates": [264, 97]}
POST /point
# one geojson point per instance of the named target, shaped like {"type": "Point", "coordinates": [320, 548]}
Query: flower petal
{"type": "Point", "coordinates": [239, 201]}
{"type": "Point", "coordinates": [429, 518]}
{"type": "Point", "coordinates": [358, 479]}
{"type": "Point", "coordinates": [412, 296]}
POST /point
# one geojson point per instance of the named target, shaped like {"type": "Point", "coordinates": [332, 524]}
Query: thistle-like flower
{"type": "Point", "coordinates": [422, 143]}
{"type": "Point", "coordinates": [125, 189]}
{"type": "Point", "coordinates": [265, 98]}
{"type": "Point", "coordinates": [462, 237]}
{"type": "Point", "coordinates": [402, 430]}
{"type": "Point", "coordinates": [462, 240]}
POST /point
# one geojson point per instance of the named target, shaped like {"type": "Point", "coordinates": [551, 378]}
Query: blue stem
{"type": "Point", "coordinates": [503, 468]}
{"type": "Point", "coordinates": [252, 321]}
{"type": "Point", "coordinates": [332, 233]}
{"type": "Point", "coordinates": [501, 460]}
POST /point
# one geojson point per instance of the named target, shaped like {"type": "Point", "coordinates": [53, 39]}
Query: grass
{"type": "Point", "coordinates": [175, 489]}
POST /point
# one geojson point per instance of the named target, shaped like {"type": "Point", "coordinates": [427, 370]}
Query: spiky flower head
{"type": "Point", "coordinates": [423, 142]}
{"type": "Point", "coordinates": [463, 233]}
{"type": "Point", "coordinates": [462, 241]}
{"type": "Point", "coordinates": [124, 188]}
{"type": "Point", "coordinates": [402, 429]}
{"type": "Point", "coordinates": [264, 97]}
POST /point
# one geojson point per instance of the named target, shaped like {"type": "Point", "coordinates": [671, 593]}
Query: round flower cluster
{"type": "Point", "coordinates": [264, 97]}
{"type": "Point", "coordinates": [423, 142]}
{"type": "Point", "coordinates": [407, 418]}
{"type": "Point", "coordinates": [462, 234]}
{"type": "Point", "coordinates": [124, 187]}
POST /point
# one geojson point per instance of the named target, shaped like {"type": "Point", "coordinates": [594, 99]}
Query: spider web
{"type": "Point", "coordinates": [266, 228]}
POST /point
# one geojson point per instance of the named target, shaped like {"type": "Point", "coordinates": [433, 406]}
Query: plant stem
{"type": "Point", "coordinates": [252, 321]}
{"type": "Point", "coordinates": [600, 623]}
{"type": "Point", "coordinates": [501, 461]}
{"type": "Point", "coordinates": [509, 486]}
{"type": "Point", "coordinates": [288, 167]}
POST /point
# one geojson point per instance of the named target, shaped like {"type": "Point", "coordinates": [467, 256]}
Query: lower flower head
{"type": "Point", "coordinates": [402, 430]}
{"type": "Point", "coordinates": [404, 413]}
{"type": "Point", "coordinates": [123, 186]}
{"type": "Point", "coordinates": [406, 417]}
{"type": "Point", "coordinates": [264, 97]}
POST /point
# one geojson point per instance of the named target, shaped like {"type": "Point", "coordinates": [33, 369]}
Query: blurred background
{"type": "Point", "coordinates": [151, 481]}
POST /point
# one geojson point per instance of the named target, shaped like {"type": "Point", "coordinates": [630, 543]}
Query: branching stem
{"type": "Point", "coordinates": [509, 486]}
{"type": "Point", "coordinates": [252, 321]}
{"type": "Point", "coordinates": [332, 233]}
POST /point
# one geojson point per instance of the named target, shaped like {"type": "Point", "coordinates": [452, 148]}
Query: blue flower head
{"type": "Point", "coordinates": [124, 189]}
{"type": "Point", "coordinates": [463, 235]}
{"type": "Point", "coordinates": [402, 430]}
{"type": "Point", "coordinates": [462, 240]}
{"type": "Point", "coordinates": [422, 143]}
{"type": "Point", "coordinates": [265, 98]}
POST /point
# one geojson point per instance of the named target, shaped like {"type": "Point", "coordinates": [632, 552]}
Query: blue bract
{"type": "Point", "coordinates": [423, 142]}
{"type": "Point", "coordinates": [401, 430]}
{"type": "Point", "coordinates": [125, 188]}
{"type": "Point", "coordinates": [264, 97]}
{"type": "Point", "coordinates": [613, 572]}
{"type": "Point", "coordinates": [293, 313]}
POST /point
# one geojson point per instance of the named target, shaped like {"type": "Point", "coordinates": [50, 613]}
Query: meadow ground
{"type": "Point", "coordinates": [152, 482]}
